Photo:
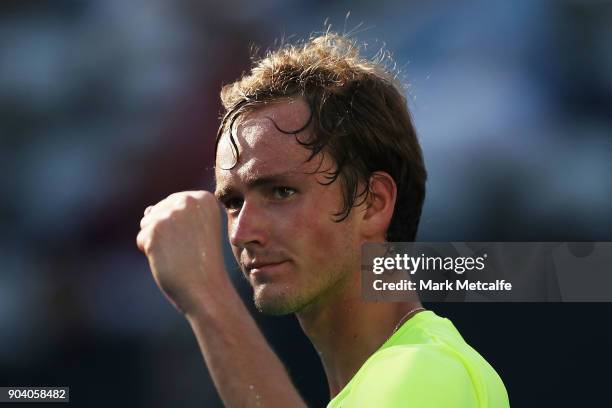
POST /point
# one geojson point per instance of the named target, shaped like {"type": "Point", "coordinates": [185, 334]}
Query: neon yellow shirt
{"type": "Point", "coordinates": [425, 364]}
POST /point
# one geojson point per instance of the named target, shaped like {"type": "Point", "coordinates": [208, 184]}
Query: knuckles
{"type": "Point", "coordinates": [192, 199]}
{"type": "Point", "coordinates": [186, 202]}
{"type": "Point", "coordinates": [178, 211]}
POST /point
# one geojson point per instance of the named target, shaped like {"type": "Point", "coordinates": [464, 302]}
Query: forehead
{"type": "Point", "coordinates": [262, 147]}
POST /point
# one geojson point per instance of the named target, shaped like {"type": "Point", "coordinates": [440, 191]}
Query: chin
{"type": "Point", "coordinates": [274, 301]}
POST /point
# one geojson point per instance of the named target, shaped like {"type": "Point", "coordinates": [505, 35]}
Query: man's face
{"type": "Point", "coordinates": [280, 217]}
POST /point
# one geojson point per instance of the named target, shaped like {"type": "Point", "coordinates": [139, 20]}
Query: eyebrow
{"type": "Point", "coordinates": [254, 182]}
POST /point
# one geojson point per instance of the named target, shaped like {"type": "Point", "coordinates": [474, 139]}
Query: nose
{"type": "Point", "coordinates": [249, 227]}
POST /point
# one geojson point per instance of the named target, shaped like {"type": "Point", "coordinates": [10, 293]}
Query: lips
{"type": "Point", "coordinates": [253, 267]}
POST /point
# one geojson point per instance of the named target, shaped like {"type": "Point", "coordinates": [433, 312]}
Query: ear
{"type": "Point", "coordinates": [379, 206]}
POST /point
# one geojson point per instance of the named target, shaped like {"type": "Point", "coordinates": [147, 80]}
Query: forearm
{"type": "Point", "coordinates": [245, 370]}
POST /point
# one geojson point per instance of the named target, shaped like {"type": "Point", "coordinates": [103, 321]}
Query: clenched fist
{"type": "Point", "coordinates": [181, 237]}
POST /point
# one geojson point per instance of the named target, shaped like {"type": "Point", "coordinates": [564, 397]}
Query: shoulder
{"type": "Point", "coordinates": [421, 375]}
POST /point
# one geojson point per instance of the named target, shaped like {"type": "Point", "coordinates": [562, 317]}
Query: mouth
{"type": "Point", "coordinates": [260, 270]}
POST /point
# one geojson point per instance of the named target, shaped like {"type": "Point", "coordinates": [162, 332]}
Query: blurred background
{"type": "Point", "coordinates": [108, 106]}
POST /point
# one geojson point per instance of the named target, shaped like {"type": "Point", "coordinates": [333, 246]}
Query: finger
{"type": "Point", "coordinates": [150, 211]}
{"type": "Point", "coordinates": [144, 221]}
{"type": "Point", "coordinates": [141, 239]}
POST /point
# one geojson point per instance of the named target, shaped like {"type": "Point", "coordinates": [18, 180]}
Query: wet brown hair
{"type": "Point", "coordinates": [358, 115]}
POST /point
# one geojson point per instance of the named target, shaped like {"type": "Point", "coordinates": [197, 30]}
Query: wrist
{"type": "Point", "coordinates": [209, 299]}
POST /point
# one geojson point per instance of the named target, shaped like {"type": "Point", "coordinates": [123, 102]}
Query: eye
{"type": "Point", "coordinates": [281, 193]}
{"type": "Point", "coordinates": [233, 204]}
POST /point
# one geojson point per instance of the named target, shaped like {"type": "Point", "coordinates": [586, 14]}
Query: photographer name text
{"type": "Point", "coordinates": [431, 285]}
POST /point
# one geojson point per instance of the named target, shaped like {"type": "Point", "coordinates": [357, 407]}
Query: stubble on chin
{"type": "Point", "coordinates": [279, 303]}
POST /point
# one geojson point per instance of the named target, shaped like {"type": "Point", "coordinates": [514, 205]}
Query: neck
{"type": "Point", "coordinates": [345, 330]}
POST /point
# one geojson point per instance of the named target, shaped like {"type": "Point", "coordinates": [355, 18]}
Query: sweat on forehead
{"type": "Point", "coordinates": [271, 128]}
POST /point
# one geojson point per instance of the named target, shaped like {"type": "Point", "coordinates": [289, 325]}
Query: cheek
{"type": "Point", "coordinates": [322, 240]}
